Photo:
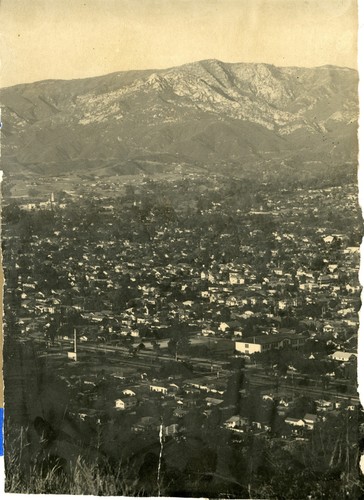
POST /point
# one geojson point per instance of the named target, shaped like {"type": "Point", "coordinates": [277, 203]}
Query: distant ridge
{"type": "Point", "coordinates": [205, 113]}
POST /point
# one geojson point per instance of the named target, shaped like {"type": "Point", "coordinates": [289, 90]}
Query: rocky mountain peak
{"type": "Point", "coordinates": [204, 112]}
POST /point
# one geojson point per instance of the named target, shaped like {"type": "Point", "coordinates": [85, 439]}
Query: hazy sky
{"type": "Point", "coordinates": [77, 38]}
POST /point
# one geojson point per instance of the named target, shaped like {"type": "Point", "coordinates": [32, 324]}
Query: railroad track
{"type": "Point", "coordinates": [266, 382]}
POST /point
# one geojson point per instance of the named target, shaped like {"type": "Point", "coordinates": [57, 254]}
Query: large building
{"type": "Point", "coordinates": [264, 343]}
{"type": "Point", "coordinates": [344, 356]}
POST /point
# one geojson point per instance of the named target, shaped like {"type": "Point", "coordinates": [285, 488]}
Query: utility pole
{"type": "Point", "coordinates": [73, 355]}
{"type": "Point", "coordinates": [75, 343]}
{"type": "Point", "coordinates": [52, 201]}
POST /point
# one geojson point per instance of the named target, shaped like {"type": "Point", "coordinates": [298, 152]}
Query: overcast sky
{"type": "Point", "coordinates": [43, 39]}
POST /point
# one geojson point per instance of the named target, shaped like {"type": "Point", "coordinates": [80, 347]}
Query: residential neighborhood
{"type": "Point", "coordinates": [155, 312]}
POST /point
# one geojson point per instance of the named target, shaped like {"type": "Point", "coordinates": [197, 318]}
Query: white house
{"type": "Point", "coordinates": [124, 404]}
{"type": "Point", "coordinates": [328, 239]}
{"type": "Point", "coordinates": [128, 392]}
{"type": "Point", "coordinates": [236, 278]}
{"type": "Point", "coordinates": [170, 430]}
{"type": "Point", "coordinates": [158, 388]}
{"type": "Point", "coordinates": [343, 356]}
{"type": "Point", "coordinates": [235, 421]}
{"type": "Point", "coordinates": [223, 326]}
{"type": "Point", "coordinates": [310, 420]}
{"type": "Point", "coordinates": [295, 422]}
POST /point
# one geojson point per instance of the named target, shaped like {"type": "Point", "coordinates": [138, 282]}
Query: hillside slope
{"type": "Point", "coordinates": [206, 113]}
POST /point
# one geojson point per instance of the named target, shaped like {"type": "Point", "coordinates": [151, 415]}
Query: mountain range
{"type": "Point", "coordinates": [206, 114]}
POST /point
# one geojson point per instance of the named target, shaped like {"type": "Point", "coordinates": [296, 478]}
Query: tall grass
{"type": "Point", "coordinates": [82, 479]}
{"type": "Point", "coordinates": [44, 474]}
